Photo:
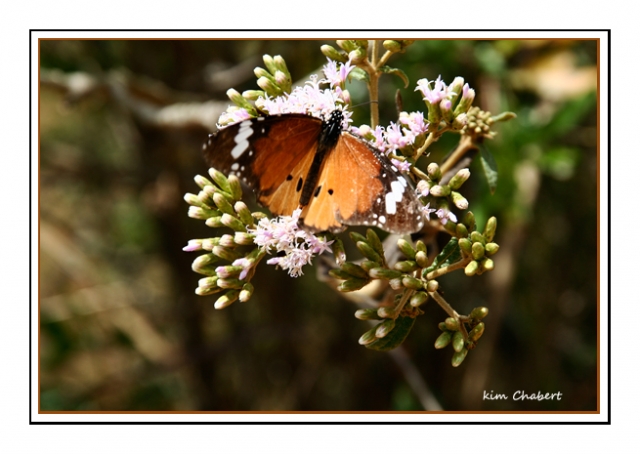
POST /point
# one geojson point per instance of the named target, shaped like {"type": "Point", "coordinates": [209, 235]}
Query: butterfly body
{"type": "Point", "coordinates": [299, 161]}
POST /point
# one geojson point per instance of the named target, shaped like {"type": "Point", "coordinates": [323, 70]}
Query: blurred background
{"type": "Point", "coordinates": [121, 128]}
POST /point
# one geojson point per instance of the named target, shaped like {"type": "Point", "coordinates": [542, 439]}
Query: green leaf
{"type": "Point", "coordinates": [489, 167]}
{"type": "Point", "coordinates": [359, 74]}
{"type": "Point", "coordinates": [395, 337]}
{"type": "Point", "coordinates": [449, 254]}
{"type": "Point", "coordinates": [396, 72]}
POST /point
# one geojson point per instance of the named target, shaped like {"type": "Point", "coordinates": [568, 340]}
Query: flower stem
{"type": "Point", "coordinates": [465, 144]}
{"type": "Point", "coordinates": [372, 70]}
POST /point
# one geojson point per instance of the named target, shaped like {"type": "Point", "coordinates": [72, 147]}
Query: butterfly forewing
{"type": "Point", "coordinates": [266, 153]}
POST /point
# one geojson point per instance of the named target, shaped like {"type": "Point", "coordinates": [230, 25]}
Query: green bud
{"type": "Point", "coordinates": [228, 271]}
{"type": "Point", "coordinates": [204, 291]}
{"type": "Point", "coordinates": [374, 241]}
{"type": "Point", "coordinates": [223, 204]}
{"type": "Point", "coordinates": [471, 268]}
{"type": "Point", "coordinates": [202, 181]}
{"type": "Point", "coordinates": [392, 45]}
{"type": "Point", "coordinates": [226, 240]}
{"type": "Point", "coordinates": [433, 170]}
{"type": "Point", "coordinates": [355, 237]}
{"type": "Point", "coordinates": [461, 231]}
{"type": "Point", "coordinates": [469, 220]}
{"type": "Point", "coordinates": [452, 324]}
{"type": "Point", "coordinates": [421, 259]}
{"type": "Point", "coordinates": [477, 237]}
{"type": "Point", "coordinates": [459, 178]}
{"type": "Point", "coordinates": [478, 313]}
{"type": "Point", "coordinates": [458, 341]}
{"type": "Point", "coordinates": [406, 248]}
{"type": "Point", "coordinates": [442, 326]}
{"type": "Point", "coordinates": [368, 337]}
{"type": "Point", "coordinates": [384, 273]}
{"type": "Point", "coordinates": [396, 283]}
{"type": "Point", "coordinates": [246, 292]}
{"type": "Point", "coordinates": [465, 102]}
{"type": "Point", "coordinates": [333, 54]}
{"type": "Point", "coordinates": [368, 251]}
{"type": "Point", "coordinates": [253, 94]}
{"type": "Point", "coordinates": [214, 222]}
{"type": "Point", "coordinates": [440, 191]}
{"type": "Point", "coordinates": [201, 213]}
{"type": "Point", "coordinates": [208, 283]}
{"type": "Point", "coordinates": [487, 264]}
{"type": "Point", "coordinates": [226, 299]}
{"type": "Point", "coordinates": [418, 299]}
{"type": "Point", "coordinates": [232, 222]}
{"type": "Point", "coordinates": [225, 253]}
{"type": "Point", "coordinates": [476, 332]}
{"type": "Point", "coordinates": [194, 200]}
{"type": "Point", "coordinates": [201, 263]}
{"type": "Point", "coordinates": [269, 63]}
{"type": "Point", "coordinates": [458, 357]}
{"type": "Point", "coordinates": [386, 312]}
{"type": "Point", "coordinates": [347, 44]}
{"type": "Point", "coordinates": [236, 187]}
{"type": "Point", "coordinates": [385, 328]}
{"type": "Point", "coordinates": [230, 283]}
{"type": "Point", "coordinates": [220, 180]}
{"type": "Point", "coordinates": [368, 265]}
{"type": "Point", "coordinates": [362, 43]}
{"type": "Point", "coordinates": [338, 251]}
{"type": "Point", "coordinates": [459, 201]}
{"type": "Point", "coordinates": [269, 86]}
{"type": "Point", "coordinates": [412, 283]}
{"type": "Point", "coordinates": [421, 247]}
{"type": "Point", "coordinates": [351, 285]}
{"type": "Point", "coordinates": [477, 251]}
{"type": "Point", "coordinates": [367, 314]}
{"type": "Point", "coordinates": [490, 228]}
{"type": "Point", "coordinates": [406, 266]}
{"type": "Point", "coordinates": [491, 248]}
{"type": "Point", "coordinates": [456, 87]}
{"type": "Point", "coordinates": [443, 340]}
{"type": "Point", "coordinates": [450, 227]}
{"type": "Point", "coordinates": [339, 274]}
{"type": "Point", "coordinates": [432, 286]}
{"type": "Point", "coordinates": [243, 213]}
{"type": "Point", "coordinates": [354, 270]}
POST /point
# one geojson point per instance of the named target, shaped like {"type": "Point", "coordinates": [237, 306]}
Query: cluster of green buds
{"type": "Point", "coordinates": [218, 204]}
{"type": "Point", "coordinates": [476, 247]}
{"type": "Point", "coordinates": [462, 333]}
{"type": "Point", "coordinates": [479, 123]}
{"type": "Point", "coordinates": [442, 193]}
{"type": "Point", "coordinates": [397, 318]}
{"type": "Point", "coordinates": [350, 49]}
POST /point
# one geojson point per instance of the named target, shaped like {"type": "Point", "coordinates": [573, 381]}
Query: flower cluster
{"type": "Point", "coordinates": [282, 235]}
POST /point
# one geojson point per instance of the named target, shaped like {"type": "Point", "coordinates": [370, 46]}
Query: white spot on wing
{"type": "Point", "coordinates": [382, 219]}
{"type": "Point", "coordinates": [242, 144]}
{"type": "Point", "coordinates": [390, 204]}
{"type": "Point", "coordinates": [397, 189]}
{"type": "Point", "coordinates": [234, 166]}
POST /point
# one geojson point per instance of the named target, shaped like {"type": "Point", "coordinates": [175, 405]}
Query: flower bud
{"type": "Point", "coordinates": [230, 283]}
{"type": "Point", "coordinates": [368, 265]}
{"type": "Point", "coordinates": [459, 122]}
{"type": "Point", "coordinates": [354, 270]}
{"type": "Point", "coordinates": [333, 54]}
{"type": "Point", "coordinates": [246, 292]}
{"type": "Point", "coordinates": [392, 45]}
{"type": "Point", "coordinates": [433, 170]}
{"type": "Point", "coordinates": [338, 251]}
{"type": "Point", "coordinates": [406, 266]}
{"type": "Point", "coordinates": [193, 245]}
{"type": "Point", "coordinates": [253, 94]}
{"type": "Point", "coordinates": [226, 299]}
{"type": "Point", "coordinates": [367, 314]}
{"type": "Point", "coordinates": [225, 253]}
{"type": "Point", "coordinates": [491, 248]}
{"type": "Point", "coordinates": [226, 240]}
{"type": "Point", "coordinates": [269, 63]}
{"type": "Point", "coordinates": [214, 222]}
{"type": "Point", "coordinates": [220, 180]}
{"type": "Point", "coordinates": [358, 55]}
{"type": "Point", "coordinates": [476, 332]}
{"type": "Point", "coordinates": [421, 259]}
{"type": "Point", "coordinates": [368, 337]}
{"type": "Point", "coordinates": [477, 251]}
{"type": "Point", "coordinates": [353, 284]}
{"type": "Point", "coordinates": [418, 299]}
{"type": "Point", "coordinates": [471, 268]}
{"type": "Point", "coordinates": [384, 273]}
{"type": "Point", "coordinates": [406, 248]}
{"type": "Point", "coordinates": [459, 201]}
{"type": "Point", "coordinates": [490, 228]}
{"type": "Point", "coordinates": [412, 283]}
{"type": "Point", "coordinates": [469, 220]}
{"type": "Point", "coordinates": [386, 312]}
{"type": "Point", "coordinates": [368, 251]}
{"type": "Point", "coordinates": [477, 237]}
{"type": "Point", "coordinates": [465, 246]}
{"type": "Point", "coordinates": [243, 213]}
{"type": "Point", "coordinates": [269, 86]}
{"type": "Point", "coordinates": [243, 238]}
{"type": "Point", "coordinates": [479, 313]}
{"type": "Point", "coordinates": [232, 222]}
{"type": "Point", "coordinates": [385, 328]}
{"type": "Point", "coordinates": [282, 81]}
{"type": "Point", "coordinates": [487, 264]}
{"type": "Point", "coordinates": [468, 95]}
{"type": "Point", "coordinates": [459, 178]}
{"type": "Point", "coordinates": [207, 283]}
{"type": "Point", "coordinates": [452, 324]}
{"type": "Point", "coordinates": [421, 247]}
{"type": "Point", "coordinates": [201, 263]}
{"type": "Point", "coordinates": [396, 283]}
{"type": "Point", "coordinates": [458, 357]}
{"type": "Point", "coordinates": [228, 271]}
{"type": "Point", "coordinates": [456, 87]}
{"type": "Point", "coordinates": [440, 191]}
{"type": "Point", "coordinates": [443, 340]}
{"type": "Point", "coordinates": [461, 231]}
{"type": "Point", "coordinates": [347, 44]}
{"type": "Point", "coordinates": [442, 326]}
{"type": "Point", "coordinates": [458, 341]}
{"type": "Point", "coordinates": [201, 181]}
{"type": "Point", "coordinates": [432, 286]}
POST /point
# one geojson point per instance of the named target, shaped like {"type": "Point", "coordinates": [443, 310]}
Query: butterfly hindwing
{"type": "Point", "coordinates": [359, 186]}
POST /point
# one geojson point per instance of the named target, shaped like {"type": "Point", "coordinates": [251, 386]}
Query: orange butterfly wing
{"type": "Point", "coordinates": [360, 186]}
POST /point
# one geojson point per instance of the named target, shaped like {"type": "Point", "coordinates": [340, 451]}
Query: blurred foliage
{"type": "Point", "coordinates": [121, 328]}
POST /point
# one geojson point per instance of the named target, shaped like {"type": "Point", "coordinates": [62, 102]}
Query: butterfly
{"type": "Point", "coordinates": [300, 161]}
